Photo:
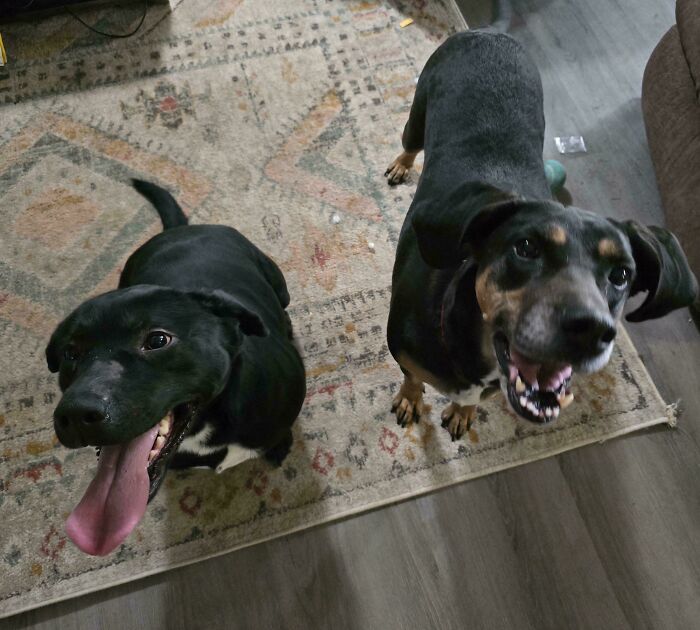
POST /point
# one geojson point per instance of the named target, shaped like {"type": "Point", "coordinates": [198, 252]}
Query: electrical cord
{"type": "Point", "coordinates": [28, 4]}
{"type": "Point", "coordinates": [113, 35]}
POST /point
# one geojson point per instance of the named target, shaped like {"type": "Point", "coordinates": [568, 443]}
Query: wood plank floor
{"type": "Point", "coordinates": [603, 537]}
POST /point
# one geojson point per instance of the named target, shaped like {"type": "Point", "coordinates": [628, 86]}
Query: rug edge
{"type": "Point", "coordinates": [459, 17]}
{"type": "Point", "coordinates": [671, 408]}
{"type": "Point", "coordinates": [396, 499]}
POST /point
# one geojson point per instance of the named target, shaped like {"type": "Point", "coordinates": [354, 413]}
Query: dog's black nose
{"type": "Point", "coordinates": [84, 412]}
{"type": "Point", "coordinates": [587, 328]}
{"type": "Point", "coordinates": [77, 418]}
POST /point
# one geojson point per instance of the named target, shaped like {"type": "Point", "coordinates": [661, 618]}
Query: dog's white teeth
{"type": "Point", "coordinates": [519, 385]}
{"type": "Point", "coordinates": [523, 401]}
{"type": "Point", "coordinates": [548, 412]}
{"type": "Point", "coordinates": [531, 408]}
{"type": "Point", "coordinates": [164, 426]}
{"type": "Point", "coordinates": [152, 454]}
{"type": "Point", "coordinates": [566, 400]}
{"type": "Point", "coordinates": [160, 442]}
{"type": "Point", "coordinates": [555, 412]}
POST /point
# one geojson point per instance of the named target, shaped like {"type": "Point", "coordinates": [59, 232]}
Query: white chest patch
{"type": "Point", "coordinates": [235, 453]}
{"type": "Point", "coordinates": [468, 397]}
{"type": "Point", "coordinates": [472, 395]}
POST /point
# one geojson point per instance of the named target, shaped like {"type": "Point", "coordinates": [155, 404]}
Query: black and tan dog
{"type": "Point", "coordinates": [190, 362]}
{"type": "Point", "coordinates": [493, 280]}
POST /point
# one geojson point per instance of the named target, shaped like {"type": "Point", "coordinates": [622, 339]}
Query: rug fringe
{"type": "Point", "coordinates": [672, 414]}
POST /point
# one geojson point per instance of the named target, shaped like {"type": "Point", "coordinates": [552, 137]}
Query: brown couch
{"type": "Point", "coordinates": [671, 106]}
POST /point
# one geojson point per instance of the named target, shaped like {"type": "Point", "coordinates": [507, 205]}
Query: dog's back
{"type": "Point", "coordinates": [483, 116]}
{"type": "Point", "coordinates": [193, 257]}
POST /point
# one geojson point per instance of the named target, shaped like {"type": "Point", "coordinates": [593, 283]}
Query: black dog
{"type": "Point", "coordinates": [193, 350]}
{"type": "Point", "coordinates": [493, 280]}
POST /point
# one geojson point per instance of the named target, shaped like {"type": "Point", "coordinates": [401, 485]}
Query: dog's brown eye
{"type": "Point", "coordinates": [619, 276]}
{"type": "Point", "coordinates": [157, 340]}
{"type": "Point", "coordinates": [525, 248]}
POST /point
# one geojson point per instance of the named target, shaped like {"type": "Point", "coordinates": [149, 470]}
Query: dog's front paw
{"type": "Point", "coordinates": [397, 170]}
{"type": "Point", "coordinates": [407, 411]}
{"type": "Point", "coordinates": [458, 419]}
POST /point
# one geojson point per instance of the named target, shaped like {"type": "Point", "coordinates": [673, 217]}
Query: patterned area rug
{"type": "Point", "coordinates": [278, 118]}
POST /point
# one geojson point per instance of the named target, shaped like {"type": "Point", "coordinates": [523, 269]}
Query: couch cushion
{"type": "Point", "coordinates": [688, 21]}
{"type": "Point", "coordinates": [672, 118]}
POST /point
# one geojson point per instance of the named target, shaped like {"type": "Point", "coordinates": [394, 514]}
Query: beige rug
{"type": "Point", "coordinates": [278, 118]}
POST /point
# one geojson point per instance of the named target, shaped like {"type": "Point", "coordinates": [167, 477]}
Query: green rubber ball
{"type": "Point", "coordinates": [556, 174]}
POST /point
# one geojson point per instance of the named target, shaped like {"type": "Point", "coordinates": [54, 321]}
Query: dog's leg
{"type": "Point", "coordinates": [412, 139]}
{"type": "Point", "coordinates": [457, 419]}
{"type": "Point", "coordinates": [277, 454]}
{"type": "Point", "coordinates": [408, 403]}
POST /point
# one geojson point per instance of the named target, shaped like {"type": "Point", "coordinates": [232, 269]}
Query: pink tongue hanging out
{"type": "Point", "coordinates": [116, 498]}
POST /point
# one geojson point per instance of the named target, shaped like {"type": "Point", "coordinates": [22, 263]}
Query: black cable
{"type": "Point", "coordinates": [26, 6]}
{"type": "Point", "coordinates": [114, 35]}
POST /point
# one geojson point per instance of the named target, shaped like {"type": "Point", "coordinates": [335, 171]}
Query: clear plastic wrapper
{"type": "Point", "coordinates": [570, 144]}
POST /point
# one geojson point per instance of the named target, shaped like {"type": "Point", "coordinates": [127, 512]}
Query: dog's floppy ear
{"type": "Point", "coordinates": [56, 343]}
{"type": "Point", "coordinates": [224, 305]}
{"type": "Point", "coordinates": [662, 270]}
{"type": "Point", "coordinates": [446, 228]}
{"type": "Point", "coordinates": [53, 359]}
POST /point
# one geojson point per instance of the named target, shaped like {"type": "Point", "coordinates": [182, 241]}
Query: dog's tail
{"type": "Point", "coordinates": [170, 212]}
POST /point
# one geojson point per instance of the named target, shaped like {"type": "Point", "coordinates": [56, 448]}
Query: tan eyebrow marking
{"type": "Point", "coordinates": [492, 300]}
{"type": "Point", "coordinates": [557, 234]}
{"type": "Point", "coordinates": [608, 247]}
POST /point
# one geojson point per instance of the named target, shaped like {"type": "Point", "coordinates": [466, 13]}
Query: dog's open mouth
{"type": "Point", "coordinates": [128, 476]}
{"type": "Point", "coordinates": [536, 391]}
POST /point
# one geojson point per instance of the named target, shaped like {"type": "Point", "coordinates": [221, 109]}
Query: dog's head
{"type": "Point", "coordinates": [551, 283]}
{"type": "Point", "coordinates": [135, 365]}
